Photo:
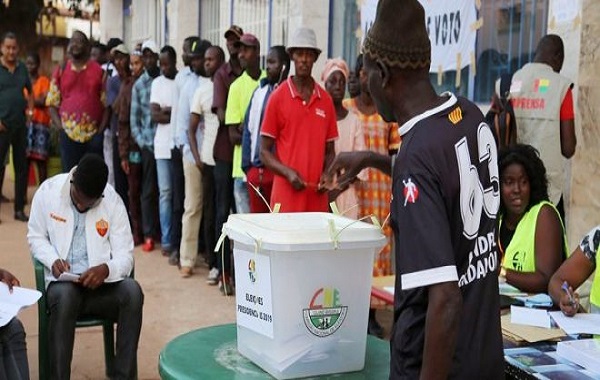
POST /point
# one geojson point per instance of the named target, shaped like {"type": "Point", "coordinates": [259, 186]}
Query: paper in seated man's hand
{"type": "Point", "coordinates": [60, 266]}
{"type": "Point", "coordinates": [8, 278]}
{"type": "Point", "coordinates": [343, 170]}
{"type": "Point", "coordinates": [94, 277]}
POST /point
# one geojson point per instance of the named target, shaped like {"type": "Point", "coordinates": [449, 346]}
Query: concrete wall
{"type": "Point", "coordinates": [111, 19]}
{"type": "Point", "coordinates": [582, 48]}
{"type": "Point", "coordinates": [183, 22]}
{"type": "Point", "coordinates": [315, 15]}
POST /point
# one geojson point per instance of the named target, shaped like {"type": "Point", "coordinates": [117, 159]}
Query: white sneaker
{"type": "Point", "coordinates": [213, 277]}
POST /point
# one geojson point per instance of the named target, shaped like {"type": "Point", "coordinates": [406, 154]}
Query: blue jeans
{"type": "Point", "coordinates": [165, 200]}
{"type": "Point", "coordinates": [240, 194]}
{"type": "Point", "coordinates": [72, 151]}
{"type": "Point", "coordinates": [13, 352]}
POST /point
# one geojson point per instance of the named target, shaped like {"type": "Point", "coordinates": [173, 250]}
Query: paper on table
{"type": "Point", "coordinates": [530, 334]}
{"type": "Point", "coordinates": [11, 303]}
{"type": "Point", "coordinates": [66, 276]}
{"type": "Point", "coordinates": [580, 323]}
{"type": "Point", "coordinates": [530, 317]}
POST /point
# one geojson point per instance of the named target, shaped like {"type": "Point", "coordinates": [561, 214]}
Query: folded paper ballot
{"type": "Point", "coordinates": [530, 317]}
{"type": "Point", "coordinates": [12, 302]}
{"type": "Point", "coordinates": [66, 276]}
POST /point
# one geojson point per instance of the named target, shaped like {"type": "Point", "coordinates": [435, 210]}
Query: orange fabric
{"type": "Point", "coordinates": [567, 112]}
{"type": "Point", "coordinates": [375, 194]}
{"type": "Point", "coordinates": [39, 88]}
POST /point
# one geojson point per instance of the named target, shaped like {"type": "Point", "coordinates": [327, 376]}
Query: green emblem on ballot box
{"type": "Point", "coordinates": [325, 314]}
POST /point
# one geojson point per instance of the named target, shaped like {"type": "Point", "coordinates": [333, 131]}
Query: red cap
{"type": "Point", "coordinates": [248, 39]}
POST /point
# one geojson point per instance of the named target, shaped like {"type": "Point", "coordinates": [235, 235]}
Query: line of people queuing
{"type": "Point", "coordinates": [166, 123]}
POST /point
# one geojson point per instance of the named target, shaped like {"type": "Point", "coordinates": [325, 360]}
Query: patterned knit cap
{"type": "Point", "coordinates": [398, 37]}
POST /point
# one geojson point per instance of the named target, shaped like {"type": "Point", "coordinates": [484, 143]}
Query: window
{"type": "Point", "coordinates": [507, 40]}
{"type": "Point", "coordinates": [209, 21]}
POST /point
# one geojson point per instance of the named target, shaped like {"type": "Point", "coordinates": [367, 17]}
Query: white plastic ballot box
{"type": "Point", "coordinates": [303, 283]}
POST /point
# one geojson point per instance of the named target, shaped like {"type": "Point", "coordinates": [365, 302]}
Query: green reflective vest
{"type": "Point", "coordinates": [520, 253]}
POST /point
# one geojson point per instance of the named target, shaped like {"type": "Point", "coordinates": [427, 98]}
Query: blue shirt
{"type": "Point", "coordinates": [183, 109]}
{"type": "Point", "coordinates": [143, 128]}
{"type": "Point", "coordinates": [252, 125]}
{"type": "Point", "coordinates": [182, 78]}
{"type": "Point", "coordinates": [78, 257]}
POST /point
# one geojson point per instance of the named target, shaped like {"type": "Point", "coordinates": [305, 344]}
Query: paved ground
{"type": "Point", "coordinates": [173, 305]}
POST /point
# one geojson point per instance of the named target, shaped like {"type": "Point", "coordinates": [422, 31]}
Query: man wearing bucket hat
{"type": "Point", "coordinates": [447, 309]}
{"type": "Point", "coordinates": [300, 120]}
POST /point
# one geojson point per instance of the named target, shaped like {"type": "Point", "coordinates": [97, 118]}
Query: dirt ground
{"type": "Point", "coordinates": [173, 305]}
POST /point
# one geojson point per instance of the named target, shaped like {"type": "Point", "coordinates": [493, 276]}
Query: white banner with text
{"type": "Point", "coordinates": [452, 27]}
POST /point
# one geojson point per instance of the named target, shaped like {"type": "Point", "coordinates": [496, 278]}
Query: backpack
{"type": "Point", "coordinates": [501, 116]}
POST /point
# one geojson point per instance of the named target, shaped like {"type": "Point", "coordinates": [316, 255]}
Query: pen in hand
{"type": "Point", "coordinates": [572, 300]}
{"type": "Point", "coordinates": [60, 266]}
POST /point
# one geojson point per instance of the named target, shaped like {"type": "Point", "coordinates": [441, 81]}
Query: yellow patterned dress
{"type": "Point", "coordinates": [375, 194]}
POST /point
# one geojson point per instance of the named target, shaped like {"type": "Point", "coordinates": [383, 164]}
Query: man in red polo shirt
{"type": "Point", "coordinates": [300, 122]}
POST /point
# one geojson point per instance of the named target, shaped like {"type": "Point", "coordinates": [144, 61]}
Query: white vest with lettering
{"type": "Point", "coordinates": [537, 93]}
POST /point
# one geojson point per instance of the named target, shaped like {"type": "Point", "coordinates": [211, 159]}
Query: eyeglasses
{"type": "Point", "coordinates": [81, 202]}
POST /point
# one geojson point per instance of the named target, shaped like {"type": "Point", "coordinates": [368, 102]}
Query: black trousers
{"type": "Point", "coordinates": [16, 136]}
{"type": "Point", "coordinates": [13, 352]}
{"type": "Point", "coordinates": [149, 195]}
{"type": "Point", "coordinates": [178, 191]}
{"type": "Point", "coordinates": [224, 203]}
{"type": "Point", "coordinates": [208, 214]}
{"type": "Point", "coordinates": [120, 301]}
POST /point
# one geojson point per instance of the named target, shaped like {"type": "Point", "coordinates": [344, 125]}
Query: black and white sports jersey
{"type": "Point", "coordinates": [445, 200]}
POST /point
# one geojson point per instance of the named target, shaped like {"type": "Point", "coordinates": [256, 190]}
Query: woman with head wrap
{"type": "Point", "coordinates": [334, 77]}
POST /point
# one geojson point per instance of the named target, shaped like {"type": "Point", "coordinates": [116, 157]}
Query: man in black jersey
{"type": "Point", "coordinates": [445, 199]}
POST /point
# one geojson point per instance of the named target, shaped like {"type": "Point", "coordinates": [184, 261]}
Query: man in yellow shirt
{"type": "Point", "coordinates": [240, 93]}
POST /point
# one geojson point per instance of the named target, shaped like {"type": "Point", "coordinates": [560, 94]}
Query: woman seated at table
{"type": "Point", "coordinates": [574, 271]}
{"type": "Point", "coordinates": [531, 234]}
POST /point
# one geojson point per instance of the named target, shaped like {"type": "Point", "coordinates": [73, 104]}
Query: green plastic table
{"type": "Point", "coordinates": [211, 353]}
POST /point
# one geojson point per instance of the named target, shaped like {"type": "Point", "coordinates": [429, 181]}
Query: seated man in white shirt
{"type": "Point", "coordinates": [79, 224]}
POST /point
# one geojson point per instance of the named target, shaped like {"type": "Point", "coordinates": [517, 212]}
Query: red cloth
{"type": "Point", "coordinates": [301, 131]}
{"type": "Point", "coordinates": [79, 96]}
{"type": "Point", "coordinates": [567, 112]}
{"type": "Point", "coordinates": [262, 179]}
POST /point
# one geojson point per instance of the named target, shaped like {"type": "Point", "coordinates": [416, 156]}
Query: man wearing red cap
{"type": "Point", "coordinates": [240, 93]}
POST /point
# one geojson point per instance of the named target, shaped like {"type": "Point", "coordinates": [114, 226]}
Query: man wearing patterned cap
{"type": "Point", "coordinates": [445, 199]}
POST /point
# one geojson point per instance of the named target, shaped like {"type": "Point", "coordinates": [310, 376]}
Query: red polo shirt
{"type": "Point", "coordinates": [301, 131]}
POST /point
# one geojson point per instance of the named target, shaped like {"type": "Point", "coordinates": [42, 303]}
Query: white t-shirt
{"type": "Point", "coordinates": [202, 105]}
{"type": "Point", "coordinates": [162, 93]}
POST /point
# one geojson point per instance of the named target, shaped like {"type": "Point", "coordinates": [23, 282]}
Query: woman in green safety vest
{"type": "Point", "coordinates": [573, 272]}
{"type": "Point", "coordinates": [531, 234]}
